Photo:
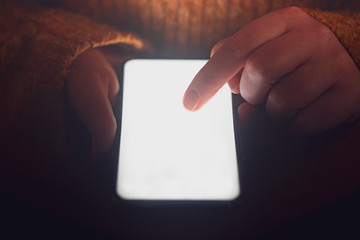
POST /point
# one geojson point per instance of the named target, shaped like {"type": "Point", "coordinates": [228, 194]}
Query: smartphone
{"type": "Point", "coordinates": [167, 152]}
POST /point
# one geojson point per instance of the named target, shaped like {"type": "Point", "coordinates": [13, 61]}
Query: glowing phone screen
{"type": "Point", "coordinates": [167, 152]}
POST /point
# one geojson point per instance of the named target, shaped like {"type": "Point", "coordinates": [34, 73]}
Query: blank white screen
{"type": "Point", "coordinates": [167, 152]}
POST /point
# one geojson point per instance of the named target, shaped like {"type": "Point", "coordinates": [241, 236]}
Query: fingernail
{"type": "Point", "coordinates": [191, 100]}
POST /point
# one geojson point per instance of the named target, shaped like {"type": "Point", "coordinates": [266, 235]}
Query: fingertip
{"type": "Point", "coordinates": [191, 100]}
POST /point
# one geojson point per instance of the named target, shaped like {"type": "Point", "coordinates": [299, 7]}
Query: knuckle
{"type": "Point", "coordinates": [247, 92]}
{"type": "Point", "coordinates": [256, 69]}
{"type": "Point", "coordinates": [254, 83]}
{"type": "Point", "coordinates": [278, 107]}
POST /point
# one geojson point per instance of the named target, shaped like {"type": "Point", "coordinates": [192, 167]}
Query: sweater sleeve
{"type": "Point", "coordinates": [36, 47]}
{"type": "Point", "coordinates": [33, 39]}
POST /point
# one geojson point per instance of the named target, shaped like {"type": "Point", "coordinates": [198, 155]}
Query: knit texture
{"type": "Point", "coordinates": [189, 28]}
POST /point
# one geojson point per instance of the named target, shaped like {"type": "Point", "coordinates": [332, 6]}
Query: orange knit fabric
{"type": "Point", "coordinates": [189, 28]}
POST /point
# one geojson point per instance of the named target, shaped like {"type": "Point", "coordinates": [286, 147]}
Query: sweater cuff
{"type": "Point", "coordinates": [36, 48]}
{"type": "Point", "coordinates": [61, 36]}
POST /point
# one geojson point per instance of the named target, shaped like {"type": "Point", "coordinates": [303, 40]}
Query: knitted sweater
{"type": "Point", "coordinates": [39, 40]}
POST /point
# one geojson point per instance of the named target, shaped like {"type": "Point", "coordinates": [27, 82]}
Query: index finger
{"type": "Point", "coordinates": [230, 58]}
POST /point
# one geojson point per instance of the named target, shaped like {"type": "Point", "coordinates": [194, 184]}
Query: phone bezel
{"type": "Point", "coordinates": [236, 101]}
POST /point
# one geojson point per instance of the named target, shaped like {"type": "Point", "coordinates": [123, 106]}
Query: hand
{"type": "Point", "coordinates": [291, 63]}
{"type": "Point", "coordinates": [92, 86]}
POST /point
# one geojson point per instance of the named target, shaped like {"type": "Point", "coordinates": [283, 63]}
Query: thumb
{"type": "Point", "coordinates": [91, 85]}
